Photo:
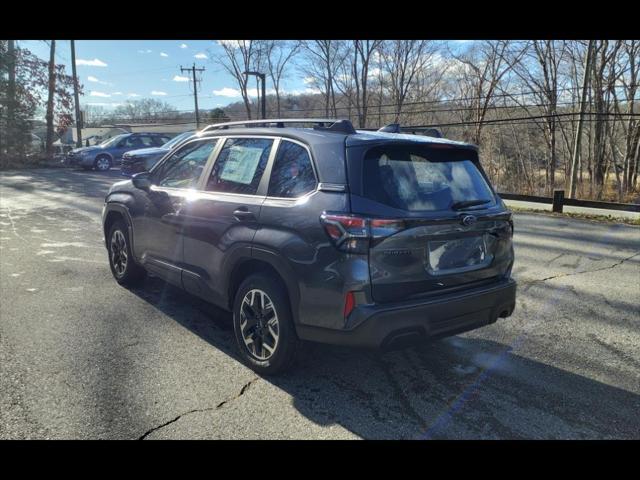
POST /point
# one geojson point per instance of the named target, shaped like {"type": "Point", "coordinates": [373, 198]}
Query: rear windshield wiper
{"type": "Point", "coordinates": [468, 203]}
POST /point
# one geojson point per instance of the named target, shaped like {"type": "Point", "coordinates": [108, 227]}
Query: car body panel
{"type": "Point", "coordinates": [194, 239]}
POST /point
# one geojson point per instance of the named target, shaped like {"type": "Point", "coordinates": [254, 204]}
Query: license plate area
{"type": "Point", "coordinates": [457, 255]}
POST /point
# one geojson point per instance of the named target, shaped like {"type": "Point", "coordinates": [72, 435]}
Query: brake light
{"type": "Point", "coordinates": [354, 234]}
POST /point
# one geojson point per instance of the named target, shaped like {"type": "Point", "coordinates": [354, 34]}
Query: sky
{"type": "Point", "coordinates": [114, 71]}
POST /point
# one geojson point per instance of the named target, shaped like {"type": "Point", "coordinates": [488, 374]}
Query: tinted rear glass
{"type": "Point", "coordinates": [418, 178]}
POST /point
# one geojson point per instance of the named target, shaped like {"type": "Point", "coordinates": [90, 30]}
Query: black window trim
{"type": "Point", "coordinates": [267, 173]}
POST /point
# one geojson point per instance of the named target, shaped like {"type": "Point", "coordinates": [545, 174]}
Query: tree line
{"type": "Point", "coordinates": [520, 101]}
{"type": "Point", "coordinates": [545, 114]}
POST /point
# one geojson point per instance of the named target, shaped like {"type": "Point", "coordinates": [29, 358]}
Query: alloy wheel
{"type": "Point", "coordinates": [259, 324]}
{"type": "Point", "coordinates": [102, 164]}
{"type": "Point", "coordinates": [119, 255]}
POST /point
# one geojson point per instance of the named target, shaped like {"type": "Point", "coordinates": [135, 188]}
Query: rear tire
{"type": "Point", "coordinates": [263, 325]}
{"type": "Point", "coordinates": [123, 266]}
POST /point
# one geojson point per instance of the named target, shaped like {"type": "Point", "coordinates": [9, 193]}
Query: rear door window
{"type": "Point", "coordinates": [419, 178]}
{"type": "Point", "coordinates": [292, 173]}
{"type": "Point", "coordinates": [240, 165]}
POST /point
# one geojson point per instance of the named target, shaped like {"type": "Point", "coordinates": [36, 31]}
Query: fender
{"type": "Point", "coordinates": [285, 271]}
{"type": "Point", "coordinates": [114, 205]}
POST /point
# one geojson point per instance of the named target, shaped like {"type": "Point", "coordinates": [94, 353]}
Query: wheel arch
{"type": "Point", "coordinates": [262, 261]}
{"type": "Point", "coordinates": [114, 212]}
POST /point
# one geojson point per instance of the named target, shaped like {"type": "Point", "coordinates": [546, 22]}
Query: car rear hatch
{"type": "Point", "coordinates": [433, 221]}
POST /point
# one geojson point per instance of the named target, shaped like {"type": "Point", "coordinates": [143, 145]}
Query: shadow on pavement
{"type": "Point", "coordinates": [459, 387]}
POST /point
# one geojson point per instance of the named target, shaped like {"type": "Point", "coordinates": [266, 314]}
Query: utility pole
{"type": "Point", "coordinates": [195, 89]}
{"type": "Point", "coordinates": [576, 147]}
{"type": "Point", "coordinates": [11, 96]}
{"type": "Point", "coordinates": [75, 94]}
{"type": "Point", "coordinates": [52, 89]}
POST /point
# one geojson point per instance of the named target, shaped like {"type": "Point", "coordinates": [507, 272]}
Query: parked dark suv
{"type": "Point", "coordinates": [328, 234]}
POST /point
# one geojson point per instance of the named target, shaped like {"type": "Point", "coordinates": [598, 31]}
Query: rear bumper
{"type": "Point", "coordinates": [388, 325]}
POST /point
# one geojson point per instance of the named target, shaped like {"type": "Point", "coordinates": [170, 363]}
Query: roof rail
{"type": "Point", "coordinates": [391, 128]}
{"type": "Point", "coordinates": [333, 125]}
{"type": "Point", "coordinates": [426, 131]}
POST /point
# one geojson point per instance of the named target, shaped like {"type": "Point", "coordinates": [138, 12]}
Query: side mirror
{"type": "Point", "coordinates": [142, 181]}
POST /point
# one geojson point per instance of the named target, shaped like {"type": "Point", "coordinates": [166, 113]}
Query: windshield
{"type": "Point", "coordinates": [418, 178]}
{"type": "Point", "coordinates": [175, 140]}
{"type": "Point", "coordinates": [110, 142]}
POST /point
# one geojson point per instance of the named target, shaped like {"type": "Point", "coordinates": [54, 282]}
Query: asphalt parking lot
{"type": "Point", "coordinates": [81, 357]}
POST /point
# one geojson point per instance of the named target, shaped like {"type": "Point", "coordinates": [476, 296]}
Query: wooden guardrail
{"type": "Point", "coordinates": [558, 201]}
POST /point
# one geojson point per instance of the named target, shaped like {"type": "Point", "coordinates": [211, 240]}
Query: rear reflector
{"type": "Point", "coordinates": [349, 303]}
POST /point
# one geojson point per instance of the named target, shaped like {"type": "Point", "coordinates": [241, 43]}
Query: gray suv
{"type": "Point", "coordinates": [311, 230]}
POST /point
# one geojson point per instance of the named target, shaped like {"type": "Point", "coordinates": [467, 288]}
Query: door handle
{"type": "Point", "coordinates": [242, 214]}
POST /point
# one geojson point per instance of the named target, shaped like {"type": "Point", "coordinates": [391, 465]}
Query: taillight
{"type": "Point", "coordinates": [354, 234]}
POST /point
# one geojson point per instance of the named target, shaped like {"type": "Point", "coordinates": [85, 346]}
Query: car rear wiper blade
{"type": "Point", "coordinates": [468, 203]}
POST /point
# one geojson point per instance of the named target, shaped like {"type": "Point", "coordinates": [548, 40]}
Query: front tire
{"type": "Point", "coordinates": [123, 266]}
{"type": "Point", "coordinates": [102, 163]}
{"type": "Point", "coordinates": [263, 325]}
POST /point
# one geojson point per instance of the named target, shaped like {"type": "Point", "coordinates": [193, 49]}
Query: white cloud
{"type": "Point", "coordinates": [91, 78]}
{"type": "Point", "coordinates": [306, 91]}
{"type": "Point", "coordinates": [374, 72]}
{"type": "Point", "coordinates": [131, 95]}
{"type": "Point", "coordinates": [158, 93]}
{"type": "Point", "coordinates": [162, 54]}
{"type": "Point", "coordinates": [180, 78]}
{"type": "Point", "coordinates": [308, 80]}
{"type": "Point", "coordinates": [99, 94]}
{"type": "Point", "coordinates": [227, 92]}
{"type": "Point", "coordinates": [145, 51]}
{"type": "Point", "coordinates": [103, 104]}
{"type": "Point", "coordinates": [230, 43]}
{"type": "Point", "coordinates": [235, 93]}
{"type": "Point", "coordinates": [201, 55]}
{"type": "Point", "coordinates": [91, 63]}
{"type": "Point", "coordinates": [183, 45]}
{"type": "Point", "coordinates": [116, 93]}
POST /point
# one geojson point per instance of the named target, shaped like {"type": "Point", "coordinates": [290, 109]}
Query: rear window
{"type": "Point", "coordinates": [417, 178]}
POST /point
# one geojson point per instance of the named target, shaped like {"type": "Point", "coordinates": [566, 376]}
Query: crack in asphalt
{"type": "Point", "coordinates": [244, 388]}
{"type": "Point", "coordinates": [13, 225]}
{"type": "Point", "coordinates": [531, 282]}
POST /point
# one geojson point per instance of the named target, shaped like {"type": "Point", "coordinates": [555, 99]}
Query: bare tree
{"type": "Point", "coordinates": [539, 70]}
{"type": "Point", "coordinates": [238, 57]}
{"type": "Point", "coordinates": [402, 61]}
{"type": "Point", "coordinates": [278, 55]}
{"type": "Point", "coordinates": [603, 79]}
{"type": "Point", "coordinates": [480, 69]}
{"type": "Point", "coordinates": [322, 62]}
{"type": "Point", "coordinates": [629, 66]}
